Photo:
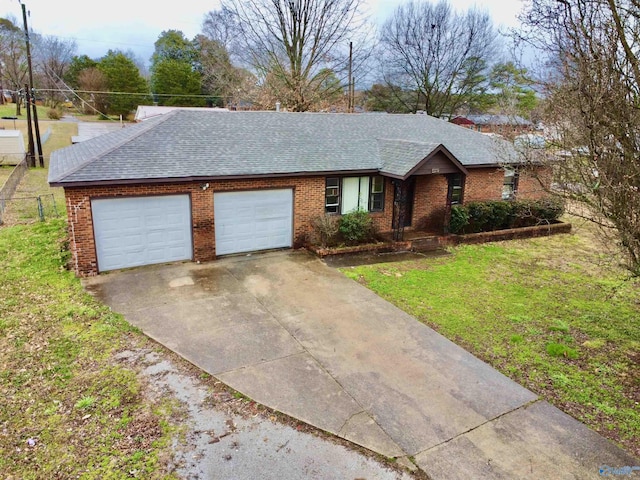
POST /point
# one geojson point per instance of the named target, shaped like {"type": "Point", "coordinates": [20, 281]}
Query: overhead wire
{"type": "Point", "coordinates": [69, 89]}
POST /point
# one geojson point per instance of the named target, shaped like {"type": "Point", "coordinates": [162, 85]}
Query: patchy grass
{"type": "Point", "coordinates": [67, 409]}
{"type": "Point", "coordinates": [24, 207]}
{"type": "Point", "coordinates": [5, 171]}
{"type": "Point", "coordinates": [551, 313]}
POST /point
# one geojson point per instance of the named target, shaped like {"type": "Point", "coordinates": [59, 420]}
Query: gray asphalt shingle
{"type": "Point", "coordinates": [188, 144]}
{"type": "Point", "coordinates": [488, 119]}
{"type": "Point", "coordinates": [399, 156]}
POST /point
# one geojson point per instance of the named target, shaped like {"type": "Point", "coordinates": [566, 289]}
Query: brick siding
{"type": "Point", "coordinates": [308, 203]}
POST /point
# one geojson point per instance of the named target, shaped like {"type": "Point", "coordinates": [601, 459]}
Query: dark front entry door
{"type": "Point", "coordinates": [403, 197]}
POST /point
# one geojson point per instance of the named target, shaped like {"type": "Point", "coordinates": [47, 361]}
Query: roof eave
{"type": "Point", "coordinates": [205, 178]}
{"type": "Point", "coordinates": [439, 149]}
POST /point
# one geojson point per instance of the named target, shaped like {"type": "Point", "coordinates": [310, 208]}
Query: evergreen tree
{"type": "Point", "coordinates": [123, 79]}
{"type": "Point", "coordinates": [174, 70]}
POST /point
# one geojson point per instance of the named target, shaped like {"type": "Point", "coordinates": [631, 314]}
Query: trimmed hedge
{"type": "Point", "coordinates": [475, 217]}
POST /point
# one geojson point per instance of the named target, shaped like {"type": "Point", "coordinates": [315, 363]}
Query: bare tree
{"type": "Point", "coordinates": [93, 80]}
{"type": "Point", "coordinates": [52, 57]}
{"type": "Point", "coordinates": [221, 26]}
{"type": "Point", "coordinates": [296, 41]}
{"type": "Point", "coordinates": [593, 94]}
{"type": "Point", "coordinates": [13, 58]}
{"type": "Point", "coordinates": [439, 54]}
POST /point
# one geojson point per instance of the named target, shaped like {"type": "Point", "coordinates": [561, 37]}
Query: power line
{"type": "Point", "coordinates": [69, 89]}
{"type": "Point", "coordinates": [147, 94]}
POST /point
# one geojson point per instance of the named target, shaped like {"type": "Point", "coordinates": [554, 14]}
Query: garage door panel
{"type": "Point", "coordinates": [142, 230]}
{"type": "Point", "coordinates": [253, 220]}
{"type": "Point", "coordinates": [272, 225]}
{"type": "Point", "coordinates": [269, 212]}
{"type": "Point", "coordinates": [158, 221]}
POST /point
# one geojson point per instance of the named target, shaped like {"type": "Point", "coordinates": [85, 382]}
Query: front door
{"type": "Point", "coordinates": [403, 197]}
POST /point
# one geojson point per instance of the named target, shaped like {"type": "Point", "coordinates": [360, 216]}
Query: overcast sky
{"type": "Point", "coordinates": [135, 25]}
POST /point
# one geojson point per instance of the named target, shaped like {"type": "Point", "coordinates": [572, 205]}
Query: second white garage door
{"type": "Point", "coordinates": [253, 220]}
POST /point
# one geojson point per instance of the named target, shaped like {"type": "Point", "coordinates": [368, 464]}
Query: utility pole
{"type": "Point", "coordinates": [31, 158]}
{"type": "Point", "coordinates": [30, 100]}
{"type": "Point", "coordinates": [350, 106]}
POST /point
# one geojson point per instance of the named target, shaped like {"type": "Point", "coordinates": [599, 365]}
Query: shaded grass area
{"type": "Point", "coordinates": [552, 313]}
{"type": "Point", "coordinates": [67, 409]}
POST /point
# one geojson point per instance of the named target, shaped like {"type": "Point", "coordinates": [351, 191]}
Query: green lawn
{"type": "Point", "coordinates": [553, 314]}
{"type": "Point", "coordinates": [9, 110]}
{"type": "Point", "coordinates": [68, 409]}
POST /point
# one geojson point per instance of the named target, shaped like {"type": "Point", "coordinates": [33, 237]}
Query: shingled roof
{"type": "Point", "coordinates": [188, 145]}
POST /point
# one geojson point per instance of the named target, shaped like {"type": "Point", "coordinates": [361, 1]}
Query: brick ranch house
{"type": "Point", "coordinates": [508, 125]}
{"type": "Point", "coordinates": [194, 185]}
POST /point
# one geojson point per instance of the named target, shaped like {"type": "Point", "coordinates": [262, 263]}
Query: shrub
{"type": "Point", "coordinates": [325, 228]}
{"type": "Point", "coordinates": [479, 213]}
{"type": "Point", "coordinates": [549, 209]}
{"type": "Point", "coordinates": [356, 227]}
{"type": "Point", "coordinates": [537, 212]}
{"type": "Point", "coordinates": [500, 215]}
{"type": "Point", "coordinates": [497, 215]}
{"type": "Point", "coordinates": [459, 218]}
{"type": "Point", "coordinates": [54, 113]}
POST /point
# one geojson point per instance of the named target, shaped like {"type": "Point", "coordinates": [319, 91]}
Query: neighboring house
{"type": "Point", "coordinates": [12, 149]}
{"type": "Point", "coordinates": [89, 130]}
{"type": "Point", "coordinates": [145, 112]}
{"type": "Point", "coordinates": [194, 185]}
{"type": "Point", "coordinates": [501, 124]}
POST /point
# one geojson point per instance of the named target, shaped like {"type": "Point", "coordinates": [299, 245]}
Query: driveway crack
{"type": "Point", "coordinates": [340, 433]}
{"type": "Point", "coordinates": [523, 406]}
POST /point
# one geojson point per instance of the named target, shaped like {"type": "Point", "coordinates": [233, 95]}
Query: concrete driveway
{"type": "Point", "coordinates": [296, 335]}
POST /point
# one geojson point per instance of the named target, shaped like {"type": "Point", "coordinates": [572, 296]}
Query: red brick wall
{"type": "Point", "coordinates": [483, 184]}
{"type": "Point", "coordinates": [428, 211]}
{"type": "Point", "coordinates": [486, 184]}
{"type": "Point", "coordinates": [429, 207]}
{"type": "Point", "coordinates": [382, 220]}
{"type": "Point", "coordinates": [308, 202]}
{"type": "Point", "coordinates": [532, 183]}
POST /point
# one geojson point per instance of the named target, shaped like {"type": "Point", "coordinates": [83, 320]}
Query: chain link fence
{"type": "Point", "coordinates": [10, 185]}
{"type": "Point", "coordinates": [28, 208]}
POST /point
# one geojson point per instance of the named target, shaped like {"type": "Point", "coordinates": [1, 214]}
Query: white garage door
{"type": "Point", "coordinates": [141, 231]}
{"type": "Point", "coordinates": [255, 220]}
